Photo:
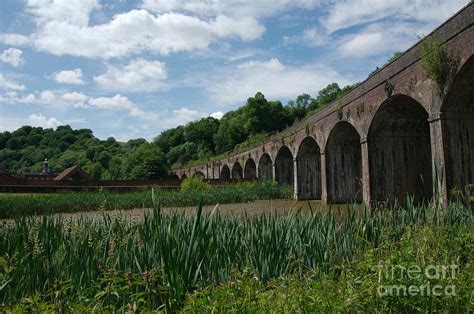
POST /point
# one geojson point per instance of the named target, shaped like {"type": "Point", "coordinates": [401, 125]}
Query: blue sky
{"type": "Point", "coordinates": [132, 69]}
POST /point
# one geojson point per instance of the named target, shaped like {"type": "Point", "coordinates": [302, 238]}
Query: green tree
{"type": "Point", "coordinates": [115, 168]}
{"type": "Point", "coordinates": [182, 154]}
{"type": "Point", "coordinates": [95, 170]}
{"type": "Point", "coordinates": [170, 138]}
{"type": "Point", "coordinates": [230, 132]}
{"type": "Point", "coordinates": [104, 158]}
{"type": "Point", "coordinates": [328, 94]}
{"type": "Point", "coordinates": [146, 162]}
{"type": "Point", "coordinates": [201, 133]}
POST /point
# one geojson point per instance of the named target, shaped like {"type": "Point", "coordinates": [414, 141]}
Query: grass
{"type": "Point", "coordinates": [158, 263]}
{"type": "Point", "coordinates": [14, 205]}
{"type": "Point", "coordinates": [355, 286]}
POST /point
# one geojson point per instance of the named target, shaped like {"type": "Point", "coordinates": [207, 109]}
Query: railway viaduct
{"type": "Point", "coordinates": [398, 133]}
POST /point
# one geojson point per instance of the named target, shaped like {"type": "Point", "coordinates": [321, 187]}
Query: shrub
{"type": "Point", "coordinates": [437, 62]}
{"type": "Point", "coordinates": [194, 183]}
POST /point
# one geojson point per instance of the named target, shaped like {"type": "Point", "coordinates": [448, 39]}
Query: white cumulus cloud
{"type": "Point", "coordinates": [362, 45]}
{"type": "Point", "coordinates": [247, 28]}
{"type": "Point", "coordinates": [217, 115]}
{"type": "Point", "coordinates": [13, 98]}
{"type": "Point", "coordinates": [311, 37]}
{"type": "Point", "coordinates": [12, 56]}
{"type": "Point", "coordinates": [78, 100]}
{"type": "Point", "coordinates": [8, 84]}
{"type": "Point", "coordinates": [255, 8]}
{"type": "Point", "coordinates": [346, 13]}
{"type": "Point", "coordinates": [274, 79]}
{"type": "Point", "coordinates": [138, 75]}
{"type": "Point", "coordinates": [69, 77]}
{"type": "Point", "coordinates": [182, 116]}
{"type": "Point", "coordinates": [119, 102]}
{"type": "Point", "coordinates": [13, 39]}
{"type": "Point", "coordinates": [63, 28]}
{"type": "Point", "coordinates": [47, 96]}
{"type": "Point", "coordinates": [75, 12]}
{"type": "Point", "coordinates": [116, 102]}
{"type": "Point", "coordinates": [42, 121]}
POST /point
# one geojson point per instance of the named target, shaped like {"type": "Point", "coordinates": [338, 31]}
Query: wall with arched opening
{"type": "Point", "coordinates": [458, 129]}
{"type": "Point", "coordinates": [225, 172]}
{"type": "Point", "coordinates": [309, 169]}
{"type": "Point", "coordinates": [284, 167]}
{"type": "Point", "coordinates": [399, 151]}
{"type": "Point", "coordinates": [265, 168]}
{"type": "Point", "coordinates": [199, 174]}
{"type": "Point", "coordinates": [343, 164]}
{"type": "Point", "coordinates": [237, 171]}
{"type": "Point", "coordinates": [250, 169]}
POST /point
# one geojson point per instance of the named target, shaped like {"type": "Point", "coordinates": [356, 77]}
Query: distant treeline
{"type": "Point", "coordinates": [245, 126]}
{"type": "Point", "coordinates": [24, 150]}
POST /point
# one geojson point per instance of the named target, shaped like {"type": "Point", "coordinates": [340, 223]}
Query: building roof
{"type": "Point", "coordinates": [6, 179]}
{"type": "Point", "coordinates": [74, 173]}
{"type": "Point", "coordinates": [38, 176]}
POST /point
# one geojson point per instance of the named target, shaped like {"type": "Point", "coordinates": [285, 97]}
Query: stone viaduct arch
{"type": "Point", "coordinates": [308, 162]}
{"type": "Point", "coordinates": [284, 173]}
{"type": "Point", "coordinates": [265, 168]}
{"type": "Point", "coordinates": [199, 174]}
{"type": "Point", "coordinates": [399, 151]}
{"type": "Point", "coordinates": [382, 140]}
{"type": "Point", "coordinates": [225, 172]}
{"type": "Point", "coordinates": [250, 169]}
{"type": "Point", "coordinates": [237, 171]}
{"type": "Point", "coordinates": [457, 113]}
{"type": "Point", "coordinates": [343, 164]}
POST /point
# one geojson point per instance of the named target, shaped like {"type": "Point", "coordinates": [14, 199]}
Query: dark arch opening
{"type": "Point", "coordinates": [343, 164]}
{"type": "Point", "coordinates": [284, 167]}
{"type": "Point", "coordinates": [309, 170]}
{"type": "Point", "coordinates": [250, 169]}
{"type": "Point", "coordinates": [265, 169]}
{"type": "Point", "coordinates": [183, 177]}
{"type": "Point", "coordinates": [458, 129]}
{"type": "Point", "coordinates": [225, 172]}
{"type": "Point", "coordinates": [400, 151]}
{"type": "Point", "coordinates": [237, 171]}
{"type": "Point", "coordinates": [199, 174]}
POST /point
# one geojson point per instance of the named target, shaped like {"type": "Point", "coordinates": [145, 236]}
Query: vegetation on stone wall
{"type": "Point", "coordinates": [438, 63]}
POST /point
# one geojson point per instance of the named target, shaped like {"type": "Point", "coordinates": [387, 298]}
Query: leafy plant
{"type": "Point", "coordinates": [437, 62]}
{"type": "Point", "coordinates": [194, 183]}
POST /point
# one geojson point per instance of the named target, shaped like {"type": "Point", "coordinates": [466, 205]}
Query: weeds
{"type": "Point", "coordinates": [437, 62]}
